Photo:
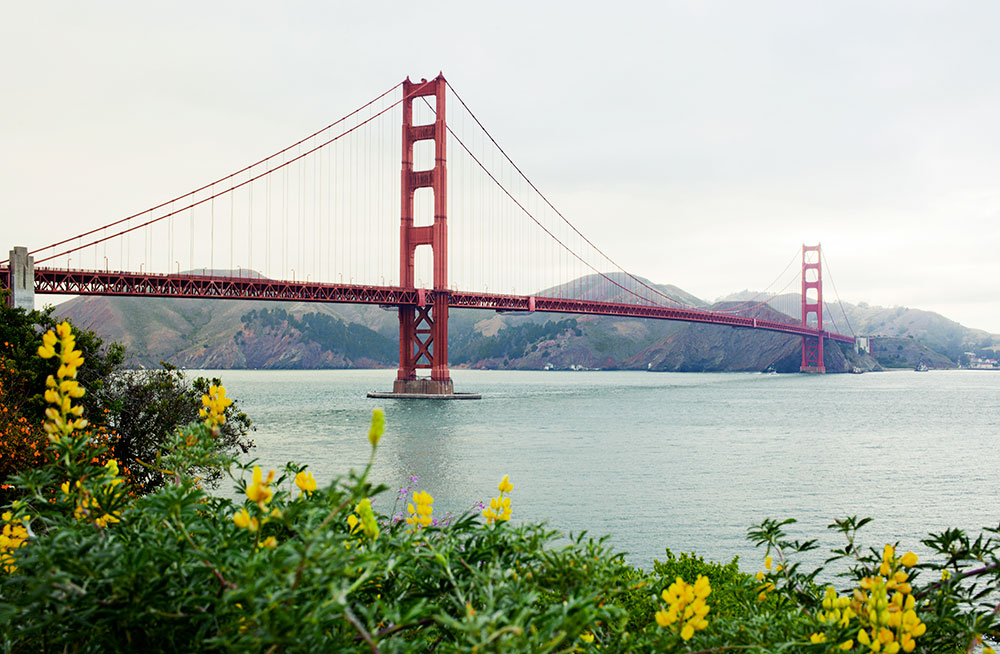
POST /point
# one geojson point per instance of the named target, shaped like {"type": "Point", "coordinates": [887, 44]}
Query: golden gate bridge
{"type": "Point", "coordinates": [325, 220]}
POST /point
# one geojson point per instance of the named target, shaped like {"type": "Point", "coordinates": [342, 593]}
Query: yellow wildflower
{"type": "Point", "coordinates": [260, 490]}
{"type": "Point", "coordinates": [368, 523]}
{"type": "Point", "coordinates": [377, 427]}
{"type": "Point", "coordinates": [13, 535]}
{"type": "Point", "coordinates": [215, 404]}
{"type": "Point", "coordinates": [686, 609]}
{"type": "Point", "coordinates": [499, 509]}
{"type": "Point", "coordinates": [305, 481]}
{"type": "Point", "coordinates": [244, 521]}
{"type": "Point", "coordinates": [420, 516]}
{"type": "Point", "coordinates": [62, 418]}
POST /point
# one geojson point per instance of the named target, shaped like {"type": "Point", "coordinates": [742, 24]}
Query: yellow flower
{"type": "Point", "coordinates": [499, 509]}
{"type": "Point", "coordinates": [686, 606]}
{"type": "Point", "coordinates": [909, 560]}
{"type": "Point", "coordinates": [305, 481]}
{"type": "Point", "coordinates": [13, 536]}
{"type": "Point", "coordinates": [63, 417]}
{"type": "Point", "coordinates": [215, 403]}
{"type": "Point", "coordinates": [107, 519]}
{"type": "Point", "coordinates": [377, 427]}
{"type": "Point", "coordinates": [260, 491]}
{"type": "Point", "coordinates": [368, 523]}
{"type": "Point", "coordinates": [587, 637]}
{"type": "Point", "coordinates": [47, 348]}
{"type": "Point", "coordinates": [244, 521]}
{"type": "Point", "coordinates": [665, 618]}
{"type": "Point", "coordinates": [270, 542]}
{"type": "Point", "coordinates": [420, 516]}
{"type": "Point", "coordinates": [817, 637]}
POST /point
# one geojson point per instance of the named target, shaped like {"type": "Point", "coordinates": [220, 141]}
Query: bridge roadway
{"type": "Point", "coordinates": [97, 282]}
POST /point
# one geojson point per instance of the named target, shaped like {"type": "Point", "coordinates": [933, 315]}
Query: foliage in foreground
{"type": "Point", "coordinates": [132, 411]}
{"type": "Point", "coordinates": [88, 567]}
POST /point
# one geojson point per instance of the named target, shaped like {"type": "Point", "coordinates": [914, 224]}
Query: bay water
{"type": "Point", "coordinates": [659, 460]}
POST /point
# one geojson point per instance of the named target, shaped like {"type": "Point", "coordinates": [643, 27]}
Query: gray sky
{"type": "Point", "coordinates": [698, 143]}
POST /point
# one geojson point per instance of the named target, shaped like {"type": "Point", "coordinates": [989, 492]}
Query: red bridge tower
{"type": "Point", "coordinates": [423, 327]}
{"type": "Point", "coordinates": [812, 308]}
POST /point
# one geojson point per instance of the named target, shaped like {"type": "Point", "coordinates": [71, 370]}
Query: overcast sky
{"type": "Point", "coordinates": [698, 143]}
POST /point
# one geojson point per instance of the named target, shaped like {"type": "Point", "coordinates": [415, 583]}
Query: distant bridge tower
{"type": "Point", "coordinates": [812, 308]}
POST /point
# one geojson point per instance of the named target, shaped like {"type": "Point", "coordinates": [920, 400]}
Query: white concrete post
{"type": "Point", "coordinates": [22, 279]}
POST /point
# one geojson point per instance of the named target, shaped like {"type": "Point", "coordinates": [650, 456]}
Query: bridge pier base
{"type": "Point", "coordinates": [22, 279]}
{"type": "Point", "coordinates": [424, 389]}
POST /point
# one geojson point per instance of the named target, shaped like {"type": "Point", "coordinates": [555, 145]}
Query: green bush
{"type": "Point", "coordinates": [732, 591]}
{"type": "Point", "coordinates": [134, 411]}
{"type": "Point", "coordinates": [85, 566]}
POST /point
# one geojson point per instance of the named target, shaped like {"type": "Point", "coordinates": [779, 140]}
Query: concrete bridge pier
{"type": "Point", "coordinates": [22, 279]}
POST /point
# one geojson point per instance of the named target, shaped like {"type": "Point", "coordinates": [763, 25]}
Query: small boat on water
{"type": "Point", "coordinates": [921, 367]}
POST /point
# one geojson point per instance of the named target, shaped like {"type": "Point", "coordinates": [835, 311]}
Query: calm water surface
{"type": "Point", "coordinates": [657, 460]}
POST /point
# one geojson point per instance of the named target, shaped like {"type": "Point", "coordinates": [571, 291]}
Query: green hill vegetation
{"type": "Point", "coordinates": [230, 334]}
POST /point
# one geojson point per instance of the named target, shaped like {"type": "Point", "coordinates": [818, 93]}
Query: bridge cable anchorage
{"type": "Point", "coordinates": [826, 264]}
{"type": "Point", "coordinates": [552, 206]}
{"type": "Point", "coordinates": [218, 181]}
{"type": "Point", "coordinates": [232, 188]}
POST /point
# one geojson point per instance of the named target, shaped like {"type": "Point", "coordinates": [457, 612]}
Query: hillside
{"type": "Point", "coordinates": [271, 334]}
{"type": "Point", "coordinates": [714, 348]}
{"type": "Point", "coordinates": [930, 336]}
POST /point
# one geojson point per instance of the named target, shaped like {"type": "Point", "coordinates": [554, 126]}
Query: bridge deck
{"type": "Point", "coordinates": [97, 282]}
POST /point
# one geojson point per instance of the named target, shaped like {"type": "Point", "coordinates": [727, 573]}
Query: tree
{"type": "Point", "coordinates": [134, 411]}
{"type": "Point", "coordinates": [21, 333]}
{"type": "Point", "coordinates": [145, 406]}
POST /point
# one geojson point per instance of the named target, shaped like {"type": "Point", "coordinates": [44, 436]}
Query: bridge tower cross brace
{"type": "Point", "coordinates": [423, 328]}
{"type": "Point", "coordinates": [812, 308]}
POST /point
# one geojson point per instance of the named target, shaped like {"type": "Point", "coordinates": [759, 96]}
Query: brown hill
{"type": "Point", "coordinates": [715, 348]}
